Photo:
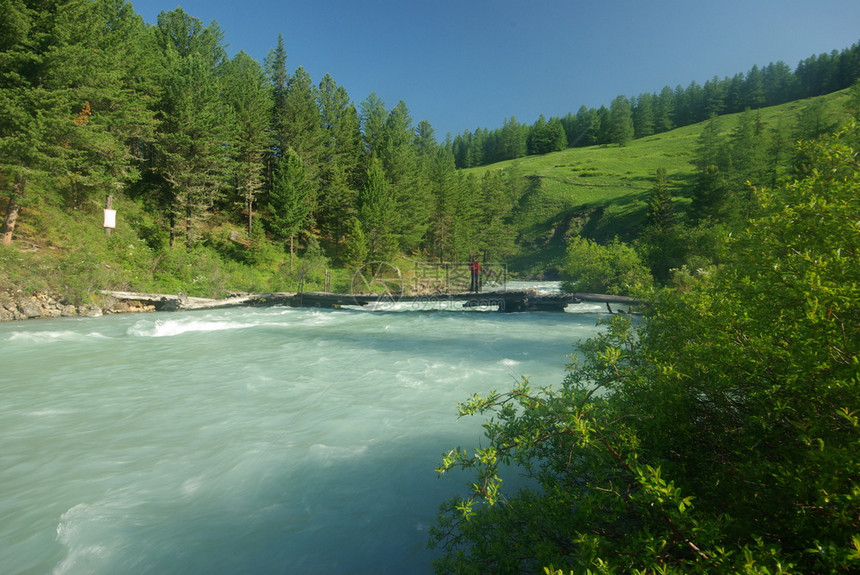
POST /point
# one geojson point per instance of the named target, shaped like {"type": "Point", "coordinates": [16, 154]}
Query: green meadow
{"type": "Point", "coordinates": [601, 192]}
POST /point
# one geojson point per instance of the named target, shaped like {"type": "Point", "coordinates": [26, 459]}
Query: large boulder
{"type": "Point", "coordinates": [30, 308]}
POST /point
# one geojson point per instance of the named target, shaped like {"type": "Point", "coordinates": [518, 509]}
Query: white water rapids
{"type": "Point", "coordinates": [253, 440]}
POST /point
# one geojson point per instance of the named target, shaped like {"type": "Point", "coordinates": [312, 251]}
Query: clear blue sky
{"type": "Point", "coordinates": [464, 64]}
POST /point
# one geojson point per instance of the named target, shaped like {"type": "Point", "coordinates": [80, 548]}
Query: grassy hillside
{"type": "Point", "coordinates": [601, 191]}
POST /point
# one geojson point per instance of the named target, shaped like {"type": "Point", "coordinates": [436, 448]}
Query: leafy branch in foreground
{"type": "Point", "coordinates": [721, 434]}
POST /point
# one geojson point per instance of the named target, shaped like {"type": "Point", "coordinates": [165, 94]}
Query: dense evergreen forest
{"type": "Point", "coordinates": [230, 174]}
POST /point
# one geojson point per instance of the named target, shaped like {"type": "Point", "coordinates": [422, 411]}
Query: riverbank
{"type": "Point", "coordinates": [17, 305]}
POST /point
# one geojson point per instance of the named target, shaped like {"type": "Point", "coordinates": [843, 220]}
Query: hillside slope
{"type": "Point", "coordinates": [601, 192]}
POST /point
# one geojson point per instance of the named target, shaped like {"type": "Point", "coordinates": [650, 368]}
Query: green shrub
{"type": "Point", "coordinates": [614, 269]}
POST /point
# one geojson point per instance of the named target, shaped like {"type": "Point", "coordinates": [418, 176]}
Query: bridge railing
{"type": "Point", "coordinates": [448, 277]}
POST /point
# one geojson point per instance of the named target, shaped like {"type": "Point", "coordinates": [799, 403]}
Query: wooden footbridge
{"type": "Point", "coordinates": [505, 301]}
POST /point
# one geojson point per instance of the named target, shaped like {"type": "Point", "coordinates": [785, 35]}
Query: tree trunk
{"type": "Point", "coordinates": [172, 229]}
{"type": "Point", "coordinates": [12, 211]}
{"type": "Point", "coordinates": [291, 253]}
{"type": "Point", "coordinates": [250, 216]}
{"type": "Point", "coordinates": [188, 226]}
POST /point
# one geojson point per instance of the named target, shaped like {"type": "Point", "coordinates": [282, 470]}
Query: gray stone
{"type": "Point", "coordinates": [30, 308]}
{"type": "Point", "coordinates": [91, 311]}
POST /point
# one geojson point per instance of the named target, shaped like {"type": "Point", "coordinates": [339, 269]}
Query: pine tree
{"type": "Point", "coordinates": [715, 96]}
{"type": "Point", "coordinates": [734, 94]}
{"type": "Point", "coordinates": [709, 192]}
{"type": "Point", "coordinates": [373, 116]}
{"type": "Point", "coordinates": [813, 121]}
{"type": "Point", "coordinates": [557, 135]}
{"type": "Point", "coordinates": [395, 149]}
{"type": "Point", "coordinates": [397, 154]}
{"type": "Point", "coordinates": [660, 242]}
{"type": "Point", "coordinates": [356, 251]}
{"type": "Point", "coordinates": [425, 139]}
{"type": "Point", "coordinates": [546, 136]}
{"type": "Point", "coordinates": [195, 120]}
{"type": "Point", "coordinates": [245, 90]}
{"type": "Point", "coordinates": [302, 125]}
{"type": "Point", "coordinates": [276, 69]}
{"type": "Point", "coordinates": [296, 120]}
{"type": "Point", "coordinates": [102, 57]}
{"type": "Point", "coordinates": [290, 200]}
{"type": "Point", "coordinates": [665, 111]}
{"type": "Point", "coordinates": [584, 132]}
{"type": "Point", "coordinates": [753, 89]}
{"type": "Point", "coordinates": [620, 121]}
{"type": "Point", "coordinates": [643, 116]}
{"type": "Point", "coordinates": [513, 138]}
{"type": "Point", "coordinates": [602, 126]}
{"type": "Point", "coordinates": [661, 214]}
{"type": "Point", "coordinates": [341, 162]}
{"type": "Point", "coordinates": [377, 212]}
{"type": "Point", "coordinates": [537, 142]}
{"type": "Point", "coordinates": [780, 84]}
{"type": "Point", "coordinates": [496, 235]}
{"type": "Point", "coordinates": [449, 200]}
{"type": "Point", "coordinates": [748, 156]}
{"type": "Point", "coordinates": [465, 239]}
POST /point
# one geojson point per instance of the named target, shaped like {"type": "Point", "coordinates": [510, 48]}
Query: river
{"type": "Point", "coordinates": [249, 440]}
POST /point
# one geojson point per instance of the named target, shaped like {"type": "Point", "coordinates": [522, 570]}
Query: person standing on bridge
{"type": "Point", "coordinates": [475, 269]}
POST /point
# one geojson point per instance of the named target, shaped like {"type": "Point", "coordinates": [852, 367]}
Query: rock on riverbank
{"type": "Point", "coordinates": [19, 306]}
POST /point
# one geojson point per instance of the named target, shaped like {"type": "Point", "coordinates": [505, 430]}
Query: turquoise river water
{"type": "Point", "coordinates": [249, 440]}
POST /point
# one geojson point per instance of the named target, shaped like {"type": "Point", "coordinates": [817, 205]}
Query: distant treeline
{"type": "Point", "coordinates": [653, 113]}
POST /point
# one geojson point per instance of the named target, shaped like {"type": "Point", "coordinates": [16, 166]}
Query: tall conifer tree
{"type": "Point", "coordinates": [196, 123]}
{"type": "Point", "coordinates": [661, 213]}
{"type": "Point", "coordinates": [643, 116]}
{"type": "Point", "coordinates": [341, 163]}
{"type": "Point", "coordinates": [276, 69]}
{"type": "Point", "coordinates": [709, 193]}
{"type": "Point", "coordinates": [302, 124]}
{"type": "Point", "coordinates": [373, 116]}
{"type": "Point", "coordinates": [620, 121]}
{"type": "Point", "coordinates": [447, 200]}
{"type": "Point", "coordinates": [245, 89]}
{"type": "Point", "coordinates": [659, 242]}
{"type": "Point", "coordinates": [290, 200]}
{"type": "Point", "coordinates": [398, 157]}
{"type": "Point", "coordinates": [377, 212]}
{"type": "Point", "coordinates": [496, 234]}
{"type": "Point", "coordinates": [665, 110]}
